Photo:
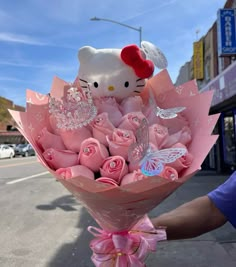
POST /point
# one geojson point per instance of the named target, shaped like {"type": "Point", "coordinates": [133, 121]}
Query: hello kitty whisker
{"type": "Point", "coordinates": [140, 79]}
{"type": "Point", "coordinates": [140, 85]}
{"type": "Point", "coordinates": [83, 80]}
{"type": "Point", "coordinates": [137, 92]}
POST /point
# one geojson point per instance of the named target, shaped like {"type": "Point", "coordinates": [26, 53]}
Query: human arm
{"type": "Point", "coordinates": [192, 219]}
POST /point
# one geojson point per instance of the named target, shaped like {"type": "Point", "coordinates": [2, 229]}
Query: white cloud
{"type": "Point", "coordinates": [17, 38]}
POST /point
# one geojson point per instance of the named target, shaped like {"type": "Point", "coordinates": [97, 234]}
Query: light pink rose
{"type": "Point", "coordinates": [53, 125]}
{"type": "Point", "coordinates": [73, 138]}
{"type": "Point", "coordinates": [131, 104]}
{"type": "Point", "coordinates": [131, 121]}
{"type": "Point", "coordinates": [111, 107]}
{"type": "Point", "coordinates": [183, 162]}
{"type": "Point", "coordinates": [46, 140]}
{"type": "Point", "coordinates": [75, 171]}
{"type": "Point", "coordinates": [133, 177]}
{"type": "Point", "coordinates": [92, 154]}
{"type": "Point", "coordinates": [102, 127]}
{"type": "Point", "coordinates": [176, 124]}
{"type": "Point", "coordinates": [157, 134]}
{"type": "Point", "coordinates": [107, 180]}
{"type": "Point", "coordinates": [183, 136]}
{"type": "Point", "coordinates": [57, 159]}
{"type": "Point", "coordinates": [114, 167]}
{"type": "Point", "coordinates": [169, 173]}
{"type": "Point", "coordinates": [150, 113]}
{"type": "Point", "coordinates": [119, 142]}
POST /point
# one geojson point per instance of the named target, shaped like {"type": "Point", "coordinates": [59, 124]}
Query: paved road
{"type": "Point", "coordinates": [42, 225]}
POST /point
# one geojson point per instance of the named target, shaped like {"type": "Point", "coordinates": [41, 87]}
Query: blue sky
{"type": "Point", "coordinates": [40, 39]}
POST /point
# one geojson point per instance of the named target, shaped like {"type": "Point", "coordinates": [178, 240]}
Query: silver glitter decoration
{"type": "Point", "coordinates": [76, 111]}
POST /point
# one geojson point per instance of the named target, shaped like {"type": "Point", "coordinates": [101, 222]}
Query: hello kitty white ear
{"type": "Point", "coordinates": [85, 53]}
{"type": "Point", "coordinates": [154, 54]}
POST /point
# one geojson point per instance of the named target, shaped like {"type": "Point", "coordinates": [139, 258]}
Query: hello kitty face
{"type": "Point", "coordinates": [106, 74]}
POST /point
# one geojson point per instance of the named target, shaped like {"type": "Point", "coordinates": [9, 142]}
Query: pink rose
{"type": "Point", "coordinates": [107, 180]}
{"type": "Point", "coordinates": [73, 138]}
{"type": "Point", "coordinates": [133, 177]}
{"type": "Point", "coordinates": [176, 124]}
{"type": "Point", "coordinates": [114, 167]}
{"type": "Point", "coordinates": [169, 173]}
{"type": "Point", "coordinates": [111, 107]}
{"type": "Point", "coordinates": [150, 113]}
{"type": "Point", "coordinates": [183, 162]}
{"type": "Point", "coordinates": [46, 140]}
{"type": "Point", "coordinates": [131, 104]}
{"type": "Point", "coordinates": [131, 121]}
{"type": "Point", "coordinates": [53, 124]}
{"type": "Point", "coordinates": [57, 159]}
{"type": "Point", "coordinates": [92, 154]}
{"type": "Point", "coordinates": [183, 136]}
{"type": "Point", "coordinates": [101, 127]}
{"type": "Point", "coordinates": [75, 171]}
{"type": "Point", "coordinates": [119, 142]}
{"type": "Point", "coordinates": [157, 134]}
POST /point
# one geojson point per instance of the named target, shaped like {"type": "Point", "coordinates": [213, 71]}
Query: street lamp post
{"type": "Point", "coordinates": [122, 24]}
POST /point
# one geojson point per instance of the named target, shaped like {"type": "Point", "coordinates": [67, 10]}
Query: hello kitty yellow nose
{"type": "Point", "coordinates": [111, 88]}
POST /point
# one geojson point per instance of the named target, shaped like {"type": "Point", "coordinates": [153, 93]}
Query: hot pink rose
{"type": "Point", "coordinates": [73, 138]}
{"type": "Point", "coordinates": [111, 107]}
{"type": "Point", "coordinates": [183, 136]}
{"type": "Point", "coordinates": [119, 142]}
{"type": "Point", "coordinates": [131, 104]}
{"type": "Point", "coordinates": [131, 121]}
{"type": "Point", "coordinates": [46, 140]}
{"type": "Point", "coordinates": [107, 180]}
{"type": "Point", "coordinates": [133, 177]}
{"type": "Point", "coordinates": [75, 171]}
{"type": "Point", "coordinates": [169, 173]}
{"type": "Point", "coordinates": [57, 159]}
{"type": "Point", "coordinates": [92, 154]}
{"type": "Point", "coordinates": [101, 127]}
{"type": "Point", "coordinates": [157, 134]}
{"type": "Point", "coordinates": [114, 167]}
{"type": "Point", "coordinates": [184, 162]}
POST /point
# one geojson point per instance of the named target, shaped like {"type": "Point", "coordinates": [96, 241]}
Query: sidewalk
{"type": "Point", "coordinates": [214, 249]}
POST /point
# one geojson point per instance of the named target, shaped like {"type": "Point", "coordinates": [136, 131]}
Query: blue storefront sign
{"type": "Point", "coordinates": [226, 34]}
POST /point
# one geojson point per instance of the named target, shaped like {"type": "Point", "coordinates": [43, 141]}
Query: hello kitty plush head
{"type": "Point", "coordinates": [115, 73]}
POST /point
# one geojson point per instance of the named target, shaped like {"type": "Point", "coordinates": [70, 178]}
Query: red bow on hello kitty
{"type": "Point", "coordinates": [131, 56]}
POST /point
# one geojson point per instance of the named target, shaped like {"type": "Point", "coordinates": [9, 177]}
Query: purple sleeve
{"type": "Point", "coordinates": [224, 198]}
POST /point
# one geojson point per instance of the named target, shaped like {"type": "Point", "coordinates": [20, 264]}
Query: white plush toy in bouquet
{"type": "Point", "coordinates": [121, 140]}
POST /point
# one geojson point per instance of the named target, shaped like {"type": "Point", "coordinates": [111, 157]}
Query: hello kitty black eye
{"type": "Point", "coordinates": [126, 84]}
{"type": "Point", "coordinates": [95, 84]}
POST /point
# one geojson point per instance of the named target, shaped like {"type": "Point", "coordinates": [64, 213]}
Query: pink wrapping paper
{"type": "Point", "coordinates": [131, 201]}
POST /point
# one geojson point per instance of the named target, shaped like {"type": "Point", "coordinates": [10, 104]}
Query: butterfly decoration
{"type": "Point", "coordinates": [168, 113]}
{"type": "Point", "coordinates": [151, 162]}
{"type": "Point", "coordinates": [154, 54]}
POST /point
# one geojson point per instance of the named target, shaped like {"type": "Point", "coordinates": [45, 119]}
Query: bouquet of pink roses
{"type": "Point", "coordinates": [122, 151]}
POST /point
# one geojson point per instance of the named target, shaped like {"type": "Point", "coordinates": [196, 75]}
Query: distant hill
{"type": "Point", "coordinates": [5, 117]}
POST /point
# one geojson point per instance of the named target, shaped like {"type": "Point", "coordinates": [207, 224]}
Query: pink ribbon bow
{"type": "Point", "coordinates": [127, 248]}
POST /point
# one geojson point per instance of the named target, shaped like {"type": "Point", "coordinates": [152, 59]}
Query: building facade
{"type": "Point", "coordinates": [8, 128]}
{"type": "Point", "coordinates": [220, 76]}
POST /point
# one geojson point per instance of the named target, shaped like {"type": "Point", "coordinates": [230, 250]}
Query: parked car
{"type": "Point", "coordinates": [24, 150]}
{"type": "Point", "coordinates": [6, 151]}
